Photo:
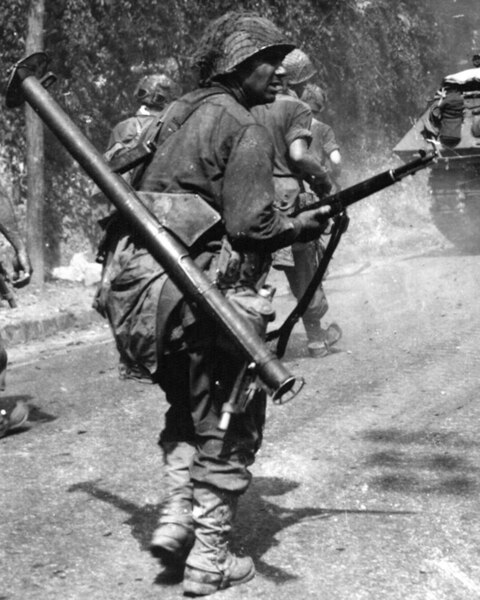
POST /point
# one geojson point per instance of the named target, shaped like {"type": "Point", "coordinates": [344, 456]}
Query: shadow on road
{"type": "Point", "coordinates": [35, 415]}
{"type": "Point", "coordinates": [258, 520]}
{"type": "Point", "coordinates": [415, 468]}
{"type": "Point", "coordinates": [142, 519]}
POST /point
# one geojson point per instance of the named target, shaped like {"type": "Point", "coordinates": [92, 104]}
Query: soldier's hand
{"type": "Point", "coordinates": [23, 269]}
{"type": "Point", "coordinates": [313, 223]}
{"type": "Point", "coordinates": [321, 186]}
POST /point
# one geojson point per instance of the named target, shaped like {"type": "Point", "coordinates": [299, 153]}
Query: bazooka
{"type": "Point", "coordinates": [28, 82]}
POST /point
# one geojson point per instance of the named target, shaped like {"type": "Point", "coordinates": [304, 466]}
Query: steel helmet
{"type": "Point", "coordinates": [299, 68]}
{"type": "Point", "coordinates": [156, 90]}
{"type": "Point", "coordinates": [234, 38]}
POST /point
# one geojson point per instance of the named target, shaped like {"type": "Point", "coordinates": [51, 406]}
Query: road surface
{"type": "Point", "coordinates": [367, 486]}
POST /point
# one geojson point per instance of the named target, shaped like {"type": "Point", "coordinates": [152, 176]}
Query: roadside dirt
{"type": "Point", "coordinates": [366, 487]}
{"type": "Point", "coordinates": [56, 297]}
{"type": "Point", "coordinates": [368, 238]}
{"type": "Point", "coordinates": [367, 484]}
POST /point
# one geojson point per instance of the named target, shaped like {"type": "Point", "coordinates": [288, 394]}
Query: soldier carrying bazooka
{"type": "Point", "coordinates": [183, 299]}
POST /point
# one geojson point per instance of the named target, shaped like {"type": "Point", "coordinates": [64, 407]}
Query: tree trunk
{"type": "Point", "coordinates": [35, 155]}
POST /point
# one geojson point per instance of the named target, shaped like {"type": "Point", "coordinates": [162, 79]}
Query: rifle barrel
{"type": "Point", "coordinates": [359, 191]}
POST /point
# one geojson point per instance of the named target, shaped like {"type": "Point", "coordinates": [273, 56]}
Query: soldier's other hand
{"type": "Point", "coordinates": [22, 269]}
{"type": "Point", "coordinates": [313, 223]}
{"type": "Point", "coordinates": [321, 186]}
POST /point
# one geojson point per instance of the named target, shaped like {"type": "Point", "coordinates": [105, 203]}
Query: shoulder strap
{"type": "Point", "coordinates": [181, 110]}
{"type": "Point", "coordinates": [175, 116]}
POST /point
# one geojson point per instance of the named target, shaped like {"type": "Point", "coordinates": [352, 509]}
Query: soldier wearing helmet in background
{"type": "Point", "coordinates": [154, 93]}
{"type": "Point", "coordinates": [209, 145]}
{"type": "Point", "coordinates": [289, 121]}
{"type": "Point", "coordinates": [324, 144]}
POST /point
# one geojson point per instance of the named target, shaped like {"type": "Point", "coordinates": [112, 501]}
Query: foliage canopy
{"type": "Point", "coordinates": [377, 65]}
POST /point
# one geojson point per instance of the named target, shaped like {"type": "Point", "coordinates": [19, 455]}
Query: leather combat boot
{"type": "Point", "coordinates": [321, 340]}
{"type": "Point", "coordinates": [210, 565]}
{"type": "Point", "coordinates": [173, 538]}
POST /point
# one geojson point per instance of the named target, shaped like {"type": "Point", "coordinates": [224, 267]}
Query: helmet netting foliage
{"type": "Point", "coordinates": [232, 39]}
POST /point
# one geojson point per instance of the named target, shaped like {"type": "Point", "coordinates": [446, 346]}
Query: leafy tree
{"type": "Point", "coordinates": [377, 60]}
{"type": "Point", "coordinates": [35, 155]}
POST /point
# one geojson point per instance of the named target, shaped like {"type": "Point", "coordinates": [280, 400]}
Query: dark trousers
{"type": "Point", "coordinates": [305, 258]}
{"type": "Point", "coordinates": [197, 380]}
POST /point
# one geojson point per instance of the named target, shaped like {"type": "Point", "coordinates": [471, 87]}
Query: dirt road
{"type": "Point", "coordinates": [367, 487]}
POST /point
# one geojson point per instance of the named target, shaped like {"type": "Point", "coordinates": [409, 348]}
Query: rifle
{"type": "Point", "coordinates": [344, 198]}
{"type": "Point", "coordinates": [339, 203]}
{"type": "Point", "coordinates": [244, 386]}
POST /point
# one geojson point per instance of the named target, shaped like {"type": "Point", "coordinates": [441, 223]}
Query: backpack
{"type": "Point", "coordinates": [135, 158]}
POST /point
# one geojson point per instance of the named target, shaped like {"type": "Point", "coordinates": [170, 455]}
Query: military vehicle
{"type": "Point", "coordinates": [454, 177]}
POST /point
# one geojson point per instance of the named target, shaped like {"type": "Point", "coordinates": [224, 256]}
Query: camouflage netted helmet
{"type": "Point", "coordinates": [314, 96]}
{"type": "Point", "coordinates": [299, 68]}
{"type": "Point", "coordinates": [232, 39]}
{"type": "Point", "coordinates": [156, 90]}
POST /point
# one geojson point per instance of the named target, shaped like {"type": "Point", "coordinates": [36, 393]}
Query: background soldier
{"type": "Point", "coordinates": [324, 144]}
{"type": "Point", "coordinates": [13, 413]}
{"type": "Point", "coordinates": [289, 121]}
{"type": "Point", "coordinates": [210, 144]}
{"type": "Point", "coordinates": [154, 93]}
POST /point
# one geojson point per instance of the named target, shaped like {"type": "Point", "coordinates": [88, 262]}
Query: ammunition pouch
{"type": "Point", "coordinates": [257, 310]}
{"type": "Point", "coordinates": [234, 269]}
{"type": "Point", "coordinates": [188, 216]}
{"type": "Point", "coordinates": [239, 275]}
{"type": "Point", "coordinates": [305, 199]}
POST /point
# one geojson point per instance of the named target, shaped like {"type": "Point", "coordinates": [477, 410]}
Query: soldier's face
{"type": "Point", "coordinates": [261, 78]}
